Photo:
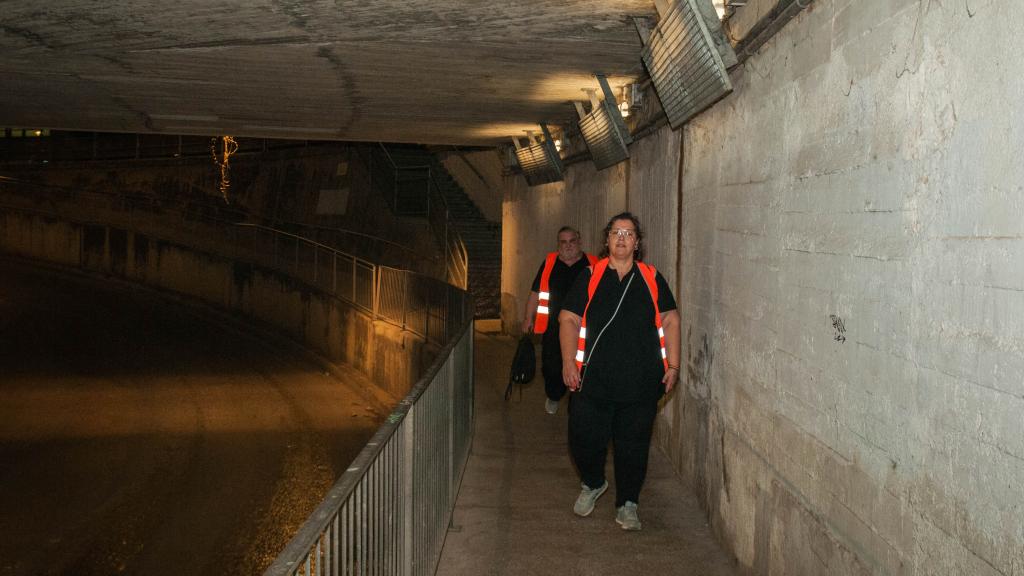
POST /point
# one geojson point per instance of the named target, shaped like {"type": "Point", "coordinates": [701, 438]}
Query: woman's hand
{"type": "Point", "coordinates": [670, 377]}
{"type": "Point", "coordinates": [568, 336]}
{"type": "Point", "coordinates": [571, 375]}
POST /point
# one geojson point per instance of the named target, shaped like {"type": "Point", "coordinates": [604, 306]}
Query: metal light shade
{"type": "Point", "coordinates": [685, 66]}
{"type": "Point", "coordinates": [540, 161]}
{"type": "Point", "coordinates": [604, 131]}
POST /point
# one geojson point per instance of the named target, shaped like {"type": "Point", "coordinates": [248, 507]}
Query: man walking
{"type": "Point", "coordinates": [554, 278]}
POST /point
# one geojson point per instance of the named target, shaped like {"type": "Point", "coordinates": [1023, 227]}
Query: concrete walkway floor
{"type": "Point", "coordinates": [514, 511]}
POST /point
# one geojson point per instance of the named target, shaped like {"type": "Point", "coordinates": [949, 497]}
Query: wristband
{"type": "Point", "coordinates": [671, 367]}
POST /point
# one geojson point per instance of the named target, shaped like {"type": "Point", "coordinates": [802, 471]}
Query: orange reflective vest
{"type": "Point", "coordinates": [649, 274]}
{"type": "Point", "coordinates": [540, 322]}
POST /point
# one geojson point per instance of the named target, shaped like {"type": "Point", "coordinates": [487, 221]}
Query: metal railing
{"type": "Point", "coordinates": [424, 308]}
{"type": "Point", "coordinates": [389, 512]}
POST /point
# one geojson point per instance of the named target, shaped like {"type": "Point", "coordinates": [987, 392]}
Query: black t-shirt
{"type": "Point", "coordinates": [626, 364]}
{"type": "Point", "coordinates": [562, 277]}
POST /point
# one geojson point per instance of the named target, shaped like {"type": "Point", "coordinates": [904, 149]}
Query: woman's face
{"type": "Point", "coordinates": [622, 239]}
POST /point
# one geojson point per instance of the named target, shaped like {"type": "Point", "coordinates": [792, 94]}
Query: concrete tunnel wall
{"type": "Point", "coordinates": [850, 273]}
{"type": "Point", "coordinates": [391, 357]}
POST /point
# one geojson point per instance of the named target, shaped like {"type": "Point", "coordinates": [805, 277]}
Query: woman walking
{"type": "Point", "coordinates": [619, 335]}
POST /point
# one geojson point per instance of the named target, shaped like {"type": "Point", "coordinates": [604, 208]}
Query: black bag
{"type": "Point", "coordinates": [524, 365]}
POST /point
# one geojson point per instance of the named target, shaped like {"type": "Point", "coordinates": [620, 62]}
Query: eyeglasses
{"type": "Point", "coordinates": [622, 233]}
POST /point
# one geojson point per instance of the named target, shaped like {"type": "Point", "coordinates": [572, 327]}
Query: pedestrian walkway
{"type": "Point", "coordinates": [514, 512]}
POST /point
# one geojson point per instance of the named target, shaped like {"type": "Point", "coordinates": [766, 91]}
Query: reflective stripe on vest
{"type": "Point", "coordinates": [540, 322]}
{"type": "Point", "coordinates": [649, 274]}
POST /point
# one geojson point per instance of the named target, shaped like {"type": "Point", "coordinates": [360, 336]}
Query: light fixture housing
{"type": "Point", "coordinates": [539, 161]}
{"type": "Point", "coordinates": [686, 68]}
{"type": "Point", "coordinates": [603, 129]}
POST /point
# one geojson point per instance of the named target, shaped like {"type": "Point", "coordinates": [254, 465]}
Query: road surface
{"type": "Point", "coordinates": [137, 436]}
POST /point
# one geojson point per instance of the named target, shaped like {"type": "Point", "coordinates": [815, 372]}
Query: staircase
{"type": "Point", "coordinates": [481, 236]}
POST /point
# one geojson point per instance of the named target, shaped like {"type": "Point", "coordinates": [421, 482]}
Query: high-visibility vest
{"type": "Point", "coordinates": [649, 274]}
{"type": "Point", "coordinates": [540, 322]}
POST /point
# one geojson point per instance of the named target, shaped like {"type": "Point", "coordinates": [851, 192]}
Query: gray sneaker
{"type": "Point", "coordinates": [627, 516]}
{"type": "Point", "coordinates": [550, 406]}
{"type": "Point", "coordinates": [587, 499]}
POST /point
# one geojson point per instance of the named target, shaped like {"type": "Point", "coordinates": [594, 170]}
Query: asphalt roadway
{"type": "Point", "coordinates": [139, 435]}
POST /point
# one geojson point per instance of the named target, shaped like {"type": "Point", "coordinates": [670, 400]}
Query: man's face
{"type": "Point", "coordinates": [568, 245]}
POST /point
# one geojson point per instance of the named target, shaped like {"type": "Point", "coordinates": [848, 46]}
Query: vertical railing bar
{"type": "Point", "coordinates": [370, 522]}
{"type": "Point", "coordinates": [393, 490]}
{"type": "Point", "coordinates": [319, 557]}
{"type": "Point", "coordinates": [376, 520]}
{"type": "Point", "coordinates": [379, 529]}
{"type": "Point", "coordinates": [364, 530]}
{"type": "Point", "coordinates": [451, 432]}
{"type": "Point", "coordinates": [407, 490]}
{"type": "Point", "coordinates": [336, 526]}
{"type": "Point", "coordinates": [346, 564]}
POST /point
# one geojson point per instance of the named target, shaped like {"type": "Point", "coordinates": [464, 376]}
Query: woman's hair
{"type": "Point", "coordinates": [638, 254]}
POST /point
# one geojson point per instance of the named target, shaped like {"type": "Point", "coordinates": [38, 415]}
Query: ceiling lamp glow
{"type": "Point", "coordinates": [603, 130]}
{"type": "Point", "coordinates": [685, 66]}
{"type": "Point", "coordinates": [539, 161]}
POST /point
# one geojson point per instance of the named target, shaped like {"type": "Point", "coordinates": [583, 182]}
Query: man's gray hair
{"type": "Point", "coordinates": [567, 229]}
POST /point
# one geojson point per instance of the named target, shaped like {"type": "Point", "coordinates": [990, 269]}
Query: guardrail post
{"type": "Point", "coordinates": [376, 292]}
{"type": "Point", "coordinates": [408, 475]}
{"type": "Point", "coordinates": [450, 394]}
{"type": "Point", "coordinates": [405, 300]}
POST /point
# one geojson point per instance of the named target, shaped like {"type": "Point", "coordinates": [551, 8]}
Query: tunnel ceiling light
{"type": "Point", "coordinates": [685, 66]}
{"type": "Point", "coordinates": [539, 161]}
{"type": "Point", "coordinates": [603, 129]}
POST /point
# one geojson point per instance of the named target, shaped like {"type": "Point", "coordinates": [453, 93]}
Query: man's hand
{"type": "Point", "coordinates": [530, 312]}
{"type": "Point", "coordinates": [527, 326]}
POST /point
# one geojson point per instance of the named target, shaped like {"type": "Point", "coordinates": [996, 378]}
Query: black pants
{"type": "Point", "coordinates": [628, 425]}
{"type": "Point", "coordinates": [551, 366]}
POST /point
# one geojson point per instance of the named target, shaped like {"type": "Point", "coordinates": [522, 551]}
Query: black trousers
{"type": "Point", "coordinates": [551, 366]}
{"type": "Point", "coordinates": [593, 422]}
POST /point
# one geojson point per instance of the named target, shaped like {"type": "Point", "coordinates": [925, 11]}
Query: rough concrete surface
{"type": "Point", "coordinates": [137, 437]}
{"type": "Point", "coordinates": [514, 510]}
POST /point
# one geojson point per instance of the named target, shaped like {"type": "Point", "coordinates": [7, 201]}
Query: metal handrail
{"type": "Point", "coordinates": [326, 546]}
{"type": "Point", "coordinates": [289, 263]}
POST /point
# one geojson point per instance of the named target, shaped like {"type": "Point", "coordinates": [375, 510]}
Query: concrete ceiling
{"type": "Point", "coordinates": [429, 71]}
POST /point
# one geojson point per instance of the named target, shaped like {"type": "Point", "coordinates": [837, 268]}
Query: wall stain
{"type": "Point", "coordinates": [839, 327]}
{"type": "Point", "coordinates": [348, 85]}
{"type": "Point", "coordinates": [698, 365]}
